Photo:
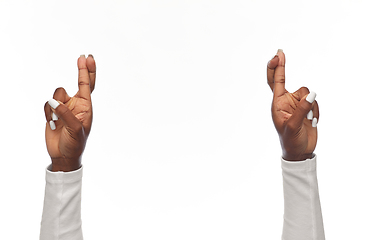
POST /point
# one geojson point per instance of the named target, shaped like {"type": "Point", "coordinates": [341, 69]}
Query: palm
{"type": "Point", "coordinates": [60, 142]}
{"type": "Point", "coordinates": [305, 139]}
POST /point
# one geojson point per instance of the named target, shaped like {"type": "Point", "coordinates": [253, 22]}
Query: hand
{"type": "Point", "coordinates": [295, 115]}
{"type": "Point", "coordinates": [69, 119]}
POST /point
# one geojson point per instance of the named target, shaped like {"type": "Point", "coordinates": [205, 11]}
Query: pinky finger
{"type": "Point", "coordinates": [48, 112]}
{"type": "Point", "coordinates": [315, 114]}
{"type": "Point", "coordinates": [49, 116]}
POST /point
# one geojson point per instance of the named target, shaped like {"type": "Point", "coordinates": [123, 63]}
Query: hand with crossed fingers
{"type": "Point", "coordinates": [69, 119]}
{"type": "Point", "coordinates": [295, 115]}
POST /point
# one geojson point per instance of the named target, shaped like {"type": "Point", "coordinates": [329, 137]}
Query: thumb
{"type": "Point", "coordinates": [67, 117]}
{"type": "Point", "coordinates": [300, 113]}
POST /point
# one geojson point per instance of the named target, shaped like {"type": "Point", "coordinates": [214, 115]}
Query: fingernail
{"type": "Point", "coordinates": [52, 125]}
{"type": "Point", "coordinates": [279, 50]}
{"type": "Point", "coordinates": [90, 55]}
{"type": "Point", "coordinates": [311, 96]}
{"type": "Point", "coordinates": [82, 55]}
{"type": "Point", "coordinates": [53, 103]}
{"type": "Point", "coordinates": [310, 115]}
{"type": "Point", "coordinates": [314, 122]}
{"type": "Point", "coordinates": [54, 117]}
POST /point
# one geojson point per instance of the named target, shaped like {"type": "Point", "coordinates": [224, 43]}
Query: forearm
{"type": "Point", "coordinates": [302, 214]}
{"type": "Point", "coordinates": [61, 218]}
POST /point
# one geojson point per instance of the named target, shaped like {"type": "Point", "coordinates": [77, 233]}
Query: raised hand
{"type": "Point", "coordinates": [69, 119]}
{"type": "Point", "coordinates": [295, 115]}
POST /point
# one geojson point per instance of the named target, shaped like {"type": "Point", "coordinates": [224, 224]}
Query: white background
{"type": "Point", "coordinates": [182, 144]}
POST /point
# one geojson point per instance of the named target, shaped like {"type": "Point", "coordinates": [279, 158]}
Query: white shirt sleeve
{"type": "Point", "coordinates": [302, 214]}
{"type": "Point", "coordinates": [61, 218]}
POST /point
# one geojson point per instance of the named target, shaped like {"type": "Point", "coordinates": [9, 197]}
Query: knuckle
{"type": "Point", "coordinates": [59, 90]}
{"type": "Point", "coordinates": [78, 129]}
{"type": "Point", "coordinates": [82, 66]}
{"type": "Point", "coordinates": [59, 94]}
{"type": "Point", "coordinates": [62, 111]}
{"type": "Point", "coordinates": [82, 82]}
{"type": "Point", "coordinates": [303, 109]}
{"type": "Point", "coordinates": [290, 128]}
{"type": "Point", "coordinates": [279, 78]}
{"type": "Point", "coordinates": [304, 90]}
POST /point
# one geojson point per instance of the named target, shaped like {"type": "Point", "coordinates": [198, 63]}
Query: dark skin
{"type": "Point", "coordinates": [67, 142]}
{"type": "Point", "coordinates": [289, 113]}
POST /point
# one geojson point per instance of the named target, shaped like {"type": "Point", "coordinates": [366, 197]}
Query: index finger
{"type": "Point", "coordinates": [279, 75]}
{"type": "Point", "coordinates": [84, 80]}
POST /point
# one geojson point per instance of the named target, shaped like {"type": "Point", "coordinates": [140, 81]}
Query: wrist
{"type": "Point", "coordinates": [65, 165]}
{"type": "Point", "coordinates": [296, 157]}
